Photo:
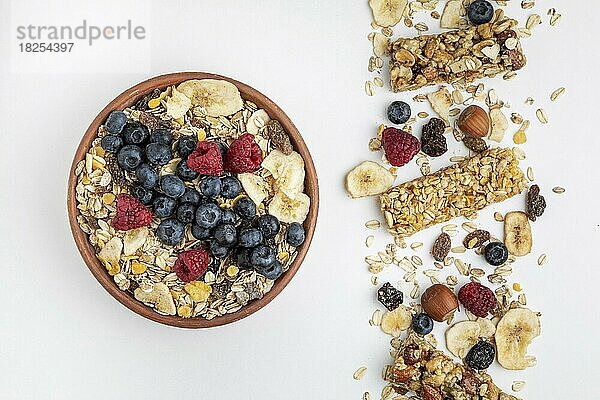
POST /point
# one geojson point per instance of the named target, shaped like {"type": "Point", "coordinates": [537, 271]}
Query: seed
{"type": "Point", "coordinates": [529, 101]}
{"type": "Point", "coordinates": [421, 27]}
{"type": "Point", "coordinates": [374, 280]}
{"type": "Point", "coordinates": [557, 93]}
{"type": "Point", "coordinates": [416, 245]}
{"type": "Point", "coordinates": [530, 175]}
{"type": "Point", "coordinates": [558, 189]}
{"type": "Point", "coordinates": [366, 396]}
{"type": "Point", "coordinates": [359, 373]}
{"type": "Point", "coordinates": [457, 158]}
{"type": "Point", "coordinates": [422, 114]}
{"type": "Point", "coordinates": [377, 81]}
{"type": "Point", "coordinates": [542, 259]}
{"type": "Point", "coordinates": [373, 224]}
{"type": "Point", "coordinates": [369, 88]}
{"type": "Point", "coordinates": [458, 249]}
{"type": "Point", "coordinates": [541, 116]}
{"type": "Point", "coordinates": [517, 287]}
{"type": "Point", "coordinates": [522, 299]}
{"type": "Point", "coordinates": [369, 240]}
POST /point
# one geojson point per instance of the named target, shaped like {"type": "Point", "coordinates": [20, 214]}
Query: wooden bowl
{"type": "Point", "coordinates": [128, 98]}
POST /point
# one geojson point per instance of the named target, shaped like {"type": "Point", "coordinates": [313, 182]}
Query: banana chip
{"type": "Point", "coordinates": [255, 187]}
{"type": "Point", "coordinates": [368, 179]}
{"type": "Point", "coordinates": [514, 333]}
{"type": "Point", "coordinates": [387, 12]}
{"type": "Point", "coordinates": [160, 297]}
{"type": "Point", "coordinates": [217, 97]}
{"type": "Point", "coordinates": [257, 121]}
{"type": "Point", "coordinates": [461, 336]}
{"type": "Point", "coordinates": [440, 101]}
{"type": "Point", "coordinates": [178, 104]}
{"type": "Point", "coordinates": [396, 321]}
{"type": "Point", "coordinates": [288, 209]}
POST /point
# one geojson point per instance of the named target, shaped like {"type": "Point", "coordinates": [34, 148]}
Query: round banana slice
{"type": "Point", "coordinates": [515, 331]}
{"type": "Point", "coordinates": [288, 209]}
{"type": "Point", "coordinates": [517, 233]}
{"type": "Point", "coordinates": [255, 187]}
{"type": "Point", "coordinates": [291, 180]}
{"type": "Point", "coordinates": [387, 12]}
{"type": "Point", "coordinates": [368, 179]}
{"type": "Point", "coordinates": [461, 336]}
{"type": "Point", "coordinates": [396, 321]}
{"type": "Point", "coordinates": [218, 97]}
{"type": "Point", "coordinates": [178, 104]}
{"type": "Point", "coordinates": [257, 121]}
{"type": "Point", "coordinates": [275, 163]}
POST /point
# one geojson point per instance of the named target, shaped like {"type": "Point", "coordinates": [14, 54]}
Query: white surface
{"type": "Point", "coordinates": [62, 336]}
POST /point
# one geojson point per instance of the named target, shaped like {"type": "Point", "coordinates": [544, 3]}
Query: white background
{"type": "Point", "coordinates": [63, 337]}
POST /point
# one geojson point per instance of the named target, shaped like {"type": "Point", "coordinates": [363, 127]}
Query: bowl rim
{"type": "Point", "coordinates": [128, 98]}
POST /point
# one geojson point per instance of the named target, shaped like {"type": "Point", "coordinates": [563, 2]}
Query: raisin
{"type": "Point", "coordinates": [279, 137]}
{"type": "Point", "coordinates": [476, 238]}
{"type": "Point", "coordinates": [389, 296]}
{"type": "Point", "coordinates": [433, 142]}
{"type": "Point", "coordinates": [536, 203]}
{"type": "Point", "coordinates": [117, 174]}
{"type": "Point", "coordinates": [441, 247]}
{"type": "Point", "coordinates": [475, 144]}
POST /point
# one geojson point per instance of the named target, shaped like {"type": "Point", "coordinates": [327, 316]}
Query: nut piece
{"type": "Point", "coordinates": [474, 121]}
{"type": "Point", "coordinates": [439, 302]}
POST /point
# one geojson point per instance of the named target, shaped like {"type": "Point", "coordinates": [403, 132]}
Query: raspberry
{"type": "Point", "coordinates": [191, 264]}
{"type": "Point", "coordinates": [243, 155]}
{"type": "Point", "coordinates": [399, 146]}
{"type": "Point", "coordinates": [131, 213]}
{"type": "Point", "coordinates": [477, 298]}
{"type": "Point", "coordinates": [206, 159]}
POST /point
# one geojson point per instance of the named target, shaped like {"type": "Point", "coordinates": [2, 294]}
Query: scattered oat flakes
{"type": "Point", "coordinates": [541, 115]}
{"type": "Point", "coordinates": [557, 93]}
{"type": "Point", "coordinates": [373, 224]}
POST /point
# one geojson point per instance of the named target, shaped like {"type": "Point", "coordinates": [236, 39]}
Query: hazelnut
{"type": "Point", "coordinates": [474, 121]}
{"type": "Point", "coordinates": [439, 302]}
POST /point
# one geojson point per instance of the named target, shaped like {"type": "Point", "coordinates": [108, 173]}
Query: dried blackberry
{"type": "Point", "coordinates": [536, 203]}
{"type": "Point", "coordinates": [475, 144]}
{"type": "Point", "coordinates": [279, 137]}
{"type": "Point", "coordinates": [117, 174]}
{"type": "Point", "coordinates": [389, 296]}
{"type": "Point", "coordinates": [433, 142]}
{"type": "Point", "coordinates": [476, 238]}
{"type": "Point", "coordinates": [481, 355]}
{"type": "Point", "coordinates": [149, 120]}
{"type": "Point", "coordinates": [441, 247]}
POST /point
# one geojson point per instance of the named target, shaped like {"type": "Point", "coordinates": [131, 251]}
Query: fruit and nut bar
{"type": "Point", "coordinates": [420, 368]}
{"type": "Point", "coordinates": [458, 190]}
{"type": "Point", "coordinates": [461, 55]}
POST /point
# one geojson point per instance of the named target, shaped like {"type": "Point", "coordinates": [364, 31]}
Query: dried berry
{"type": "Point", "coordinates": [475, 144]}
{"type": "Point", "coordinates": [481, 355]}
{"type": "Point", "coordinates": [149, 120]}
{"type": "Point", "coordinates": [400, 147]}
{"type": "Point", "coordinates": [478, 299]}
{"type": "Point", "coordinates": [244, 155]}
{"type": "Point", "coordinates": [441, 247]}
{"type": "Point", "coordinates": [433, 142]}
{"type": "Point", "coordinates": [131, 213]}
{"type": "Point", "coordinates": [389, 296]}
{"type": "Point", "coordinates": [470, 382]}
{"type": "Point", "coordinates": [117, 174]}
{"type": "Point", "coordinates": [206, 159]}
{"type": "Point", "coordinates": [191, 264]}
{"type": "Point", "coordinates": [536, 203]}
{"type": "Point", "coordinates": [476, 238]}
{"type": "Point", "coordinates": [279, 137]}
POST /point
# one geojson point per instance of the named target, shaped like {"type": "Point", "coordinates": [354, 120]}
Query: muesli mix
{"type": "Point", "coordinates": [485, 309]}
{"type": "Point", "coordinates": [193, 199]}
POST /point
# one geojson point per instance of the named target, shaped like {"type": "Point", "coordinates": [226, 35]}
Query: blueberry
{"type": "Point", "coordinates": [295, 234]}
{"type": "Point", "coordinates": [208, 215]}
{"type": "Point", "coordinates": [245, 208]}
{"type": "Point", "coordinates": [158, 153]}
{"type": "Point", "coordinates": [135, 133]}
{"type": "Point", "coordinates": [228, 217]}
{"type": "Point", "coordinates": [242, 258]}
{"type": "Point", "coordinates": [422, 324]}
{"type": "Point", "coordinates": [262, 256]}
{"type": "Point", "coordinates": [273, 271]}
{"type": "Point", "coordinates": [480, 12]}
{"type": "Point", "coordinates": [185, 172]}
{"type": "Point", "coordinates": [164, 206]}
{"type": "Point", "coordinates": [495, 253]}
{"type": "Point", "coordinates": [217, 250]}
{"type": "Point", "coordinates": [186, 212]}
{"type": "Point", "coordinates": [230, 187]}
{"type": "Point", "coordinates": [210, 186]}
{"type": "Point", "coordinates": [142, 194]}
{"type": "Point", "coordinates": [190, 195]}
{"type": "Point", "coordinates": [111, 143]}
{"type": "Point", "coordinates": [200, 233]}
{"type": "Point", "coordinates": [250, 237]}
{"type": "Point", "coordinates": [172, 186]}
{"type": "Point", "coordinates": [162, 136]}
{"type": "Point", "coordinates": [147, 176]}
{"type": "Point", "coordinates": [170, 231]}
{"type": "Point", "coordinates": [129, 157]}
{"type": "Point", "coordinates": [398, 112]}
{"type": "Point", "coordinates": [268, 225]}
{"type": "Point", "coordinates": [225, 234]}
{"type": "Point", "coordinates": [115, 122]}
{"type": "Point", "coordinates": [481, 356]}
{"type": "Point", "coordinates": [186, 145]}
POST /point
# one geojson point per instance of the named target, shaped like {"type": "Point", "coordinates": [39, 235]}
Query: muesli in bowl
{"type": "Point", "coordinates": [196, 201]}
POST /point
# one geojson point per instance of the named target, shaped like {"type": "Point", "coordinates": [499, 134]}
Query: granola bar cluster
{"type": "Point", "coordinates": [460, 55]}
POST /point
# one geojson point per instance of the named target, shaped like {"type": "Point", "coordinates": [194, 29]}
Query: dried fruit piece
{"type": "Point", "coordinates": [290, 177]}
{"type": "Point", "coordinates": [368, 179]}
{"type": "Point", "coordinates": [476, 238]}
{"type": "Point", "coordinates": [536, 203]}
{"type": "Point", "coordinates": [520, 137]}
{"type": "Point", "coordinates": [488, 329]}
{"type": "Point", "coordinates": [178, 104]}
{"type": "Point", "coordinates": [499, 124]}
{"type": "Point", "coordinates": [206, 159]}
{"type": "Point", "coordinates": [439, 302]}
{"type": "Point", "coordinates": [288, 209]}
{"type": "Point", "coordinates": [396, 321]}
{"type": "Point", "coordinates": [160, 297]}
{"type": "Point", "coordinates": [475, 144]}
{"type": "Point", "coordinates": [134, 239]}
{"type": "Point", "coordinates": [279, 137]}
{"type": "Point", "coordinates": [191, 264]}
{"type": "Point", "coordinates": [387, 12]}
{"type": "Point", "coordinates": [441, 101]}
{"type": "Point", "coordinates": [433, 142]}
{"type": "Point", "coordinates": [517, 233]}
{"type": "Point", "coordinates": [217, 97]}
{"type": "Point", "coordinates": [198, 290]}
{"type": "Point", "coordinates": [461, 336]}
{"type": "Point", "coordinates": [474, 121]}
{"type": "Point", "coordinates": [400, 147]}
{"type": "Point", "coordinates": [131, 213]}
{"type": "Point", "coordinates": [111, 253]}
{"type": "Point", "coordinates": [515, 331]}
{"type": "Point", "coordinates": [389, 296]}
{"type": "Point", "coordinates": [441, 247]}
{"type": "Point", "coordinates": [477, 298]}
{"type": "Point", "coordinates": [481, 356]}
{"type": "Point", "coordinates": [244, 155]}
{"type": "Point", "coordinates": [255, 187]}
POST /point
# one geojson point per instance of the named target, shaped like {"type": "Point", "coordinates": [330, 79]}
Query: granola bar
{"type": "Point", "coordinates": [461, 55]}
{"type": "Point", "coordinates": [461, 189]}
{"type": "Point", "coordinates": [432, 375]}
